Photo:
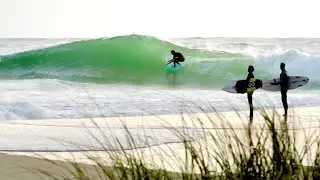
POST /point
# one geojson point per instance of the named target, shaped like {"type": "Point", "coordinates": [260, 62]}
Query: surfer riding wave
{"type": "Point", "coordinates": [177, 57]}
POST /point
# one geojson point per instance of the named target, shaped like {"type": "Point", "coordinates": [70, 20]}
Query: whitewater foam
{"type": "Point", "coordinates": [297, 63]}
{"type": "Point", "coordinates": [25, 110]}
{"type": "Point", "coordinates": [252, 46]}
{"type": "Point", "coordinates": [50, 99]}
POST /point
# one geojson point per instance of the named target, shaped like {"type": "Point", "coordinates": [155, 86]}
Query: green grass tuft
{"type": "Point", "coordinates": [268, 148]}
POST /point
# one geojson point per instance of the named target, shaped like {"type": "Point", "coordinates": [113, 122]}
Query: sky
{"type": "Point", "coordinates": [159, 18]}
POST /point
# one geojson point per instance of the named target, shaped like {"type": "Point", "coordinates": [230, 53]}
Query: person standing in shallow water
{"type": "Point", "coordinates": [249, 93]}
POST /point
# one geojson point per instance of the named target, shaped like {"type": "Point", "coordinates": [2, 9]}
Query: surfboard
{"type": "Point", "coordinates": [241, 86]}
{"type": "Point", "coordinates": [294, 82]}
{"type": "Point", "coordinates": [174, 69]}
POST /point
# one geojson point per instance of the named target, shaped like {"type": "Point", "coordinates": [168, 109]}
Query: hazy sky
{"type": "Point", "coordinates": [162, 18]}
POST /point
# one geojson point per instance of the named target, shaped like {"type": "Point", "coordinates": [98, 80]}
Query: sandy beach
{"type": "Point", "coordinates": [16, 167]}
{"type": "Point", "coordinates": [40, 138]}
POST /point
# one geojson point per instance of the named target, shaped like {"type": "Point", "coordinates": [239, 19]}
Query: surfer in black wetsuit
{"type": "Point", "coordinates": [284, 84]}
{"type": "Point", "coordinates": [249, 94]}
{"type": "Point", "coordinates": [177, 57]}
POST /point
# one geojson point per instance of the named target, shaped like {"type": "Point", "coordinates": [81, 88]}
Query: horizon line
{"type": "Point", "coordinates": [161, 37]}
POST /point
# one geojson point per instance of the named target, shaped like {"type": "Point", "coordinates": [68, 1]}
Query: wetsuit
{"type": "Point", "coordinates": [249, 95]}
{"type": "Point", "coordinates": [284, 84]}
{"type": "Point", "coordinates": [177, 57]}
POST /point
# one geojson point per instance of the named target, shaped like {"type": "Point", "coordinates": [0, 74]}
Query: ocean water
{"type": "Point", "coordinates": [125, 75]}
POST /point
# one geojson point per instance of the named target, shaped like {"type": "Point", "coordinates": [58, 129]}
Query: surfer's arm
{"type": "Point", "coordinates": [275, 83]}
{"type": "Point", "coordinates": [170, 61]}
{"type": "Point", "coordinates": [284, 81]}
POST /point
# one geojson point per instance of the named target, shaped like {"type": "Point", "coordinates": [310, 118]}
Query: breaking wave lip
{"type": "Point", "coordinates": [139, 60]}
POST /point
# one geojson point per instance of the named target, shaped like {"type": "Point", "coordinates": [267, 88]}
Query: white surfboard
{"type": "Point", "coordinates": [294, 82]}
{"type": "Point", "coordinates": [231, 87]}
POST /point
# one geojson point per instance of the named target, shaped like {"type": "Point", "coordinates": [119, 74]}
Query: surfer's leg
{"type": "Point", "coordinates": [249, 95]}
{"type": "Point", "coordinates": [175, 62]}
{"type": "Point", "coordinates": [284, 101]}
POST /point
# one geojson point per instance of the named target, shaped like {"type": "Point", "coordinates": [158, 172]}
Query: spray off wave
{"type": "Point", "coordinates": [139, 60]}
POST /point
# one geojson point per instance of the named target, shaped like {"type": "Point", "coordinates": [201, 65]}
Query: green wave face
{"type": "Point", "coordinates": [134, 59]}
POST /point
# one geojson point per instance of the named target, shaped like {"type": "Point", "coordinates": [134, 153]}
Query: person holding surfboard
{"type": "Point", "coordinates": [177, 57]}
{"type": "Point", "coordinates": [250, 78]}
{"type": "Point", "coordinates": [284, 86]}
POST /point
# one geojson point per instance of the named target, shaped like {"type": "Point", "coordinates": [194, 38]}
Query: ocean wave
{"type": "Point", "coordinates": [140, 60]}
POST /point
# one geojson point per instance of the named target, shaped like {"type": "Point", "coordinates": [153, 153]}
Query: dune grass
{"type": "Point", "coordinates": [211, 147]}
